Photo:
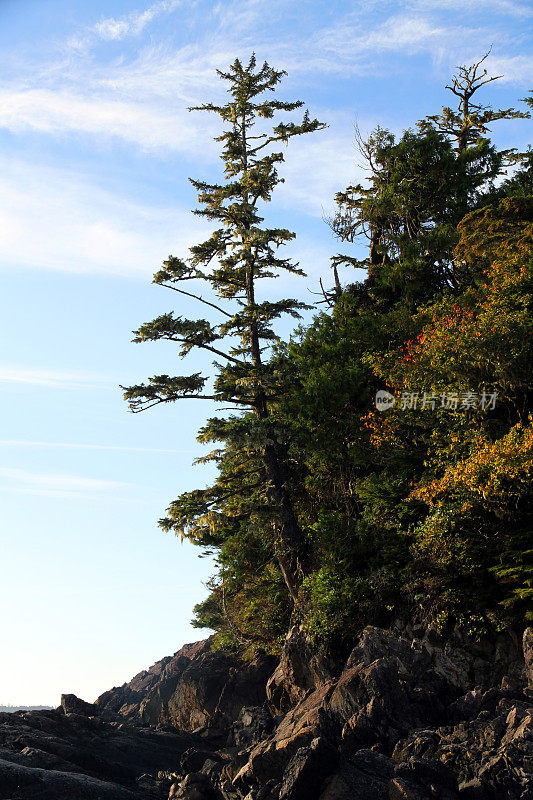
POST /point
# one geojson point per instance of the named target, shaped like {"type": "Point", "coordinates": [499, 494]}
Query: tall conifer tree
{"type": "Point", "coordinates": [231, 261]}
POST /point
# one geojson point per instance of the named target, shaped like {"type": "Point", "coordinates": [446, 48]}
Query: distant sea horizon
{"type": "Point", "coordinates": [11, 709]}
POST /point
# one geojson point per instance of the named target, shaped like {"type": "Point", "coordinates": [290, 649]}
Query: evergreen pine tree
{"type": "Point", "coordinates": [420, 187]}
{"type": "Point", "coordinates": [238, 253]}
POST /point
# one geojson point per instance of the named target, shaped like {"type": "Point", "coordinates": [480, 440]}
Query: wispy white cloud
{"type": "Point", "coordinates": [348, 45]}
{"type": "Point", "coordinates": [55, 219]}
{"type": "Point", "coordinates": [319, 167]}
{"type": "Point", "coordinates": [113, 29]}
{"type": "Point", "coordinates": [503, 7]}
{"type": "Point", "coordinates": [133, 24]}
{"type": "Point", "coordinates": [142, 100]}
{"type": "Point", "coordinates": [53, 379]}
{"type": "Point", "coordinates": [55, 485]}
{"type": "Point", "coordinates": [83, 446]}
{"type": "Point", "coordinates": [516, 69]}
{"type": "Point", "coordinates": [59, 111]}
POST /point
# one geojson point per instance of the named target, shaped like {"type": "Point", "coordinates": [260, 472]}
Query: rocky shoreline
{"type": "Point", "coordinates": [408, 716]}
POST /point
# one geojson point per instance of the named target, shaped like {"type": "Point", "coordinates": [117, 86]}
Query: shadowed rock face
{"type": "Point", "coordinates": [126, 699]}
{"type": "Point", "coordinates": [50, 754]}
{"type": "Point", "coordinates": [402, 719]}
{"type": "Point", "coordinates": [134, 736]}
{"type": "Point", "coordinates": [399, 721]}
{"type": "Point", "coordinates": [195, 688]}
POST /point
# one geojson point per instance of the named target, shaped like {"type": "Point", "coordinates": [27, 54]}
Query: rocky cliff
{"type": "Point", "coordinates": [196, 688]}
{"type": "Point", "coordinates": [408, 716]}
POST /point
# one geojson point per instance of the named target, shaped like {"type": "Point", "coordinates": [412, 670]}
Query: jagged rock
{"type": "Point", "coordinates": [33, 757]}
{"type": "Point", "coordinates": [369, 775]}
{"type": "Point", "coordinates": [126, 699]}
{"type": "Point", "coordinates": [474, 702]}
{"type": "Point", "coordinates": [153, 788]}
{"type": "Point", "coordinates": [375, 643]}
{"type": "Point", "coordinates": [253, 724]}
{"type": "Point", "coordinates": [214, 688]}
{"type": "Point", "coordinates": [270, 791]}
{"type": "Point", "coordinates": [527, 645]}
{"type": "Point", "coordinates": [213, 768]}
{"type": "Point", "coordinates": [448, 709]}
{"type": "Point", "coordinates": [193, 759]}
{"type": "Point", "coordinates": [390, 686]}
{"type": "Point", "coordinates": [491, 754]}
{"type": "Point", "coordinates": [379, 703]}
{"type": "Point", "coordinates": [374, 704]}
{"type": "Point", "coordinates": [195, 786]}
{"type": "Point", "coordinates": [299, 671]}
{"type": "Point", "coordinates": [364, 777]}
{"type": "Point", "coordinates": [307, 770]}
{"type": "Point", "coordinates": [197, 689]}
{"type": "Point", "coordinates": [86, 746]}
{"type": "Point", "coordinates": [20, 783]}
{"type": "Point", "coordinates": [464, 662]}
{"type": "Point", "coordinates": [473, 790]}
{"type": "Point", "coordinates": [420, 779]}
{"type": "Point", "coordinates": [307, 721]}
{"type": "Point", "coordinates": [419, 744]}
{"type": "Point", "coordinates": [74, 705]}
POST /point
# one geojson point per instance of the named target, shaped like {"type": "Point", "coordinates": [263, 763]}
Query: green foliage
{"type": "Point", "coordinates": [249, 503]}
{"type": "Point", "coordinates": [325, 509]}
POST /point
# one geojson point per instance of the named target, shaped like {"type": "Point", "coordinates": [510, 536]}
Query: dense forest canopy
{"type": "Point", "coordinates": [327, 509]}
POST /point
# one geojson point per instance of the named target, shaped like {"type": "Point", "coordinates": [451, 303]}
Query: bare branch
{"type": "Point", "coordinates": [161, 400]}
{"type": "Point", "coordinates": [197, 297]}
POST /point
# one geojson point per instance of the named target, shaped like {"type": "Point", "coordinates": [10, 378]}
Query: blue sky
{"type": "Point", "coordinates": [96, 146]}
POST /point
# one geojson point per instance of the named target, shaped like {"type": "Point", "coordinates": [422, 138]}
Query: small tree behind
{"type": "Point", "coordinates": [420, 187]}
{"type": "Point", "coordinates": [231, 261]}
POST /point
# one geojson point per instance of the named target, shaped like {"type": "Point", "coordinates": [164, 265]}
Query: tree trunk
{"type": "Point", "coordinates": [287, 534]}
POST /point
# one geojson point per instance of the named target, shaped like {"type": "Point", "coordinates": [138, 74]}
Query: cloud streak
{"type": "Point", "coordinates": [58, 220]}
{"type": "Point", "coordinates": [116, 29]}
{"type": "Point", "coordinates": [60, 111]}
{"type": "Point", "coordinates": [52, 379]}
{"type": "Point", "coordinates": [132, 25]}
{"type": "Point", "coordinates": [84, 446]}
{"type": "Point", "coordinates": [56, 485]}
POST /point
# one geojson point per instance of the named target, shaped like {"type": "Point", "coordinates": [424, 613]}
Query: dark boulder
{"type": "Point", "coordinates": [74, 705]}
{"type": "Point", "coordinates": [126, 699]}
{"type": "Point", "coordinates": [490, 755]}
{"type": "Point", "coordinates": [307, 721]}
{"type": "Point", "coordinates": [37, 742]}
{"type": "Point", "coordinates": [18, 782]}
{"type": "Point", "coordinates": [365, 776]}
{"type": "Point", "coordinates": [194, 759]}
{"type": "Point", "coordinates": [299, 671]}
{"type": "Point", "coordinates": [213, 689]}
{"type": "Point", "coordinates": [423, 779]}
{"type": "Point", "coordinates": [306, 771]}
{"type": "Point", "coordinates": [195, 786]}
{"type": "Point", "coordinates": [253, 724]}
{"type": "Point", "coordinates": [197, 689]}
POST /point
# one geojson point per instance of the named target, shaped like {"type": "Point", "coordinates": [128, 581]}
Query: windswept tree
{"type": "Point", "coordinates": [253, 468]}
{"type": "Point", "coordinates": [420, 187]}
